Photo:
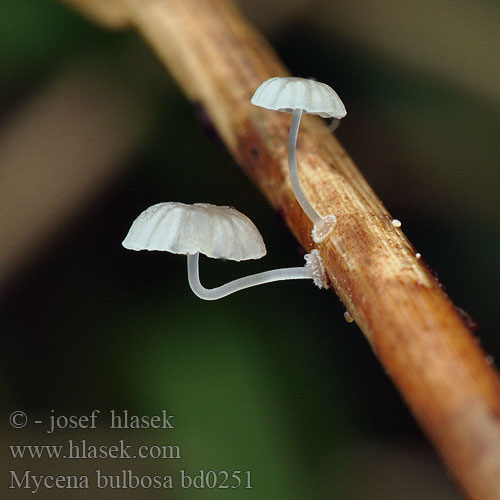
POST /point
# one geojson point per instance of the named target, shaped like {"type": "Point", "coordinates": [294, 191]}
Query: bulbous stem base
{"type": "Point", "coordinates": [321, 230]}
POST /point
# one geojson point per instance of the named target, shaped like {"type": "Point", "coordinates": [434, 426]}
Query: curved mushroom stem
{"type": "Point", "coordinates": [322, 225]}
{"type": "Point", "coordinates": [292, 165]}
{"type": "Point", "coordinates": [312, 270]}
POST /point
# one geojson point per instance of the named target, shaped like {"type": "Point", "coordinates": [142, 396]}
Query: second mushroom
{"type": "Point", "coordinates": [297, 96]}
{"type": "Point", "coordinates": [217, 232]}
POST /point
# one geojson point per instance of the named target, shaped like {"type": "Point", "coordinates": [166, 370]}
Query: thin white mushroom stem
{"type": "Point", "coordinates": [290, 273]}
{"type": "Point", "coordinates": [322, 225]}
{"type": "Point", "coordinates": [294, 173]}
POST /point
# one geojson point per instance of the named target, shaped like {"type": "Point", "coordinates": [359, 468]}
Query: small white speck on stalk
{"type": "Point", "coordinates": [348, 317]}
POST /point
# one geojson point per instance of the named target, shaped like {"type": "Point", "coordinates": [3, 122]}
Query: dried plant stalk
{"type": "Point", "coordinates": [414, 329]}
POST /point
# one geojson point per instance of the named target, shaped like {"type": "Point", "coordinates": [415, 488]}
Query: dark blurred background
{"type": "Point", "coordinates": [272, 380]}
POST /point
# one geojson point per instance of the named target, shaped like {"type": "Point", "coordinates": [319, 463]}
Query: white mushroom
{"type": "Point", "coordinates": [217, 232]}
{"type": "Point", "coordinates": [299, 95]}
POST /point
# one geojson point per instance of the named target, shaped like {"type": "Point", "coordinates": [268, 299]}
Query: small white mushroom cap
{"type": "Point", "coordinates": [289, 93]}
{"type": "Point", "coordinates": [217, 232]}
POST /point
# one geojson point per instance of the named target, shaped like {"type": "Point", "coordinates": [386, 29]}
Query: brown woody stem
{"type": "Point", "coordinates": [219, 61]}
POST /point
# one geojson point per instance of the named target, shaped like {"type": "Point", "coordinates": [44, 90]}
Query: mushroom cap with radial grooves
{"type": "Point", "coordinates": [289, 93]}
{"type": "Point", "coordinates": [217, 232]}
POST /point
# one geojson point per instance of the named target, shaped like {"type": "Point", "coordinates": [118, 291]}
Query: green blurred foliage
{"type": "Point", "coordinates": [36, 36]}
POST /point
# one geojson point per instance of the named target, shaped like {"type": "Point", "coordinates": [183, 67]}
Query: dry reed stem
{"type": "Point", "coordinates": [415, 331]}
